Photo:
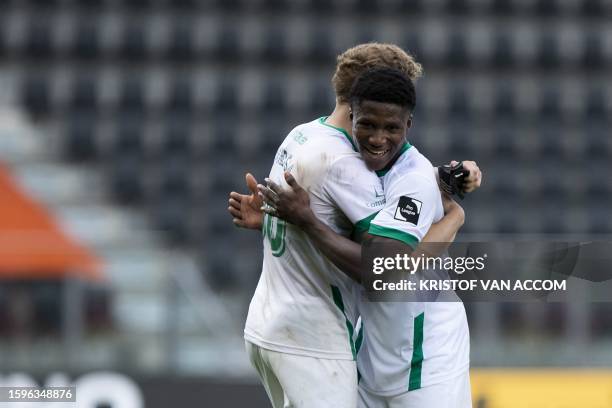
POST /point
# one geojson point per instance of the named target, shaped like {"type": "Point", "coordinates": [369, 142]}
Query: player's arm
{"type": "Point", "coordinates": [293, 205]}
{"type": "Point", "coordinates": [246, 209]}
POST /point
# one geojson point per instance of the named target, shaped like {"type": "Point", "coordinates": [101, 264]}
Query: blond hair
{"type": "Point", "coordinates": [354, 61]}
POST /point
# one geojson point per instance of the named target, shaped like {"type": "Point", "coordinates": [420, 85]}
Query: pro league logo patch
{"type": "Point", "coordinates": [408, 210]}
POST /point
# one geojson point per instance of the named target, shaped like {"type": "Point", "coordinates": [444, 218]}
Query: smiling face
{"type": "Point", "coordinates": [380, 130]}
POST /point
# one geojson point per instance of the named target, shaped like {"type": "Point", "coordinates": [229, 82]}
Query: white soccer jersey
{"type": "Point", "coordinates": [409, 345]}
{"type": "Point", "coordinates": [303, 303]}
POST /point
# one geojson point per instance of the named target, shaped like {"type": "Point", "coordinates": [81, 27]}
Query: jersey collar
{"type": "Point", "coordinates": [403, 150]}
{"type": "Point", "coordinates": [344, 132]}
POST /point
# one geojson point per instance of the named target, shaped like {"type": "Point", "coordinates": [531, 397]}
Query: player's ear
{"type": "Point", "coordinates": [409, 122]}
{"type": "Point", "coordinates": [351, 115]}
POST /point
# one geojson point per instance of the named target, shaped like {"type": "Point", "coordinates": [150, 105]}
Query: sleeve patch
{"type": "Point", "coordinates": [408, 210]}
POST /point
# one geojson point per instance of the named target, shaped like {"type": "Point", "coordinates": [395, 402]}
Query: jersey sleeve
{"type": "Point", "coordinates": [410, 209]}
{"type": "Point", "coordinates": [355, 190]}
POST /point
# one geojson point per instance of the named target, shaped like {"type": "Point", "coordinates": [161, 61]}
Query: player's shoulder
{"type": "Point", "coordinates": [415, 169]}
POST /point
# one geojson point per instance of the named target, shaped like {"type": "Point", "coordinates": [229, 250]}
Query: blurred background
{"type": "Point", "coordinates": [124, 124]}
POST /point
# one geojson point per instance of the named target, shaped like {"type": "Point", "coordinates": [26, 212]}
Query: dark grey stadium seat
{"type": "Point", "coordinates": [503, 7]}
{"type": "Point", "coordinates": [275, 47]}
{"type": "Point", "coordinates": [275, 6]}
{"type": "Point", "coordinates": [595, 107]}
{"type": "Point", "coordinates": [593, 8]}
{"type": "Point", "coordinates": [458, 7]}
{"type": "Point", "coordinates": [181, 47]}
{"type": "Point", "coordinates": [126, 178]}
{"type": "Point", "coordinates": [181, 99]}
{"type": "Point", "coordinates": [274, 101]}
{"type": "Point", "coordinates": [505, 102]}
{"type": "Point", "coordinates": [410, 6]}
{"type": "Point", "coordinates": [171, 216]}
{"type": "Point", "coordinates": [457, 53]}
{"type": "Point", "coordinates": [367, 7]}
{"type": "Point", "coordinates": [39, 38]}
{"type": "Point", "coordinates": [320, 49]}
{"type": "Point", "coordinates": [503, 51]}
{"type": "Point", "coordinates": [128, 140]}
{"type": "Point", "coordinates": [459, 104]}
{"type": "Point", "coordinates": [593, 54]}
{"type": "Point", "coordinates": [228, 44]}
{"type": "Point", "coordinates": [548, 52]}
{"type": "Point", "coordinates": [226, 98]}
{"type": "Point", "coordinates": [177, 139]}
{"type": "Point", "coordinates": [36, 95]}
{"type": "Point", "coordinates": [80, 138]}
{"type": "Point", "coordinates": [84, 96]}
{"type": "Point", "coordinates": [550, 108]}
{"type": "Point", "coordinates": [547, 8]}
{"type": "Point", "coordinates": [132, 99]}
{"type": "Point", "coordinates": [133, 43]}
{"type": "Point", "coordinates": [321, 99]}
{"type": "Point", "coordinates": [412, 44]}
{"type": "Point", "coordinates": [176, 170]}
{"type": "Point", "coordinates": [86, 41]}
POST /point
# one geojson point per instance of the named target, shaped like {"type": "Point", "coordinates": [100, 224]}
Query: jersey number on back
{"type": "Point", "coordinates": [274, 229]}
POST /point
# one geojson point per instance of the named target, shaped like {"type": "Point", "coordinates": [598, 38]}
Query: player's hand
{"type": "Point", "coordinates": [452, 208]}
{"type": "Point", "coordinates": [246, 209]}
{"type": "Point", "coordinates": [474, 178]}
{"type": "Point", "coordinates": [291, 205]}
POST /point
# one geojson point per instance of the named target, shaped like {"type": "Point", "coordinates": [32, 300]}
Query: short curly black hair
{"type": "Point", "coordinates": [384, 85]}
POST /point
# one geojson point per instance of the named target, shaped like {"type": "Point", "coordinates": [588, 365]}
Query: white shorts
{"type": "Point", "coordinates": [453, 393]}
{"type": "Point", "coordinates": [294, 381]}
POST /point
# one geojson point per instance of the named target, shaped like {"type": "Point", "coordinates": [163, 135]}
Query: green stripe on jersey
{"type": "Point", "coordinates": [416, 365]}
{"type": "Point", "coordinates": [337, 296]}
{"type": "Point", "coordinates": [402, 236]}
{"type": "Point", "coordinates": [344, 132]}
{"type": "Point", "coordinates": [363, 225]}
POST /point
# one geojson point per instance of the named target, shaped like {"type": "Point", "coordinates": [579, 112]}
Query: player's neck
{"type": "Point", "coordinates": [340, 117]}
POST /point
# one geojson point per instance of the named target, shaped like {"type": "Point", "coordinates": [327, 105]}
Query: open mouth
{"type": "Point", "coordinates": [377, 152]}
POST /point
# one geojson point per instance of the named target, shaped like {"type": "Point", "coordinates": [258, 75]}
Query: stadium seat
{"type": "Point", "coordinates": [181, 97]}
{"type": "Point", "coordinates": [367, 7]}
{"type": "Point", "coordinates": [132, 99]}
{"type": "Point", "coordinates": [185, 5]}
{"type": "Point", "coordinates": [128, 140]}
{"type": "Point", "coordinates": [84, 96]}
{"type": "Point", "coordinates": [410, 6]}
{"type": "Point", "coordinates": [503, 51]}
{"type": "Point", "coordinates": [595, 107]}
{"type": "Point", "coordinates": [547, 8]}
{"type": "Point", "coordinates": [228, 44]}
{"type": "Point", "coordinates": [39, 39]}
{"type": "Point", "coordinates": [505, 102]}
{"type": "Point", "coordinates": [274, 101]}
{"type": "Point", "coordinates": [80, 139]}
{"type": "Point", "coordinates": [548, 52]}
{"type": "Point", "coordinates": [171, 217]}
{"type": "Point", "coordinates": [320, 50]}
{"type": "Point", "coordinates": [126, 178]}
{"type": "Point", "coordinates": [503, 7]}
{"type": "Point", "coordinates": [226, 100]}
{"type": "Point", "coordinates": [550, 108]}
{"type": "Point", "coordinates": [275, 47]}
{"type": "Point", "coordinates": [593, 55]}
{"type": "Point", "coordinates": [593, 8]}
{"type": "Point", "coordinates": [86, 41]}
{"type": "Point", "coordinates": [177, 139]}
{"type": "Point", "coordinates": [412, 44]}
{"type": "Point", "coordinates": [457, 53]}
{"type": "Point", "coordinates": [133, 43]}
{"type": "Point", "coordinates": [275, 6]}
{"type": "Point", "coordinates": [137, 4]}
{"type": "Point", "coordinates": [458, 7]}
{"type": "Point", "coordinates": [36, 96]}
{"type": "Point", "coordinates": [176, 176]}
{"type": "Point", "coordinates": [181, 47]}
{"type": "Point", "coordinates": [459, 104]}
{"type": "Point", "coordinates": [321, 99]}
